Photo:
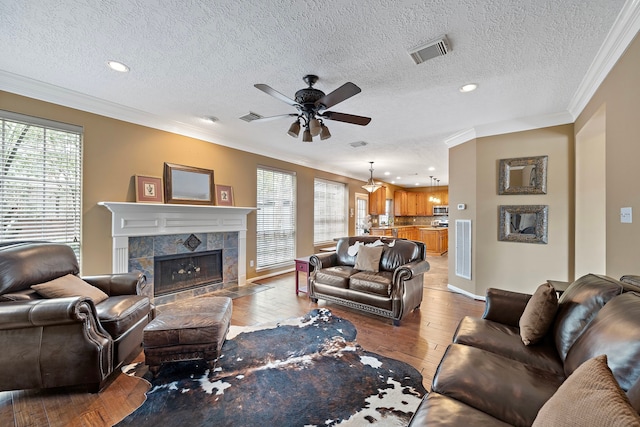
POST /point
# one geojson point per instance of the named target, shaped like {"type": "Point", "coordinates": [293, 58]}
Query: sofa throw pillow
{"type": "Point", "coordinates": [590, 396]}
{"type": "Point", "coordinates": [538, 314]}
{"type": "Point", "coordinates": [69, 286]}
{"type": "Point", "coordinates": [368, 258]}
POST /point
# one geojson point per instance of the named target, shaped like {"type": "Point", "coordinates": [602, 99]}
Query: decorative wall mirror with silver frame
{"type": "Point", "coordinates": [523, 223]}
{"type": "Point", "coordinates": [524, 175]}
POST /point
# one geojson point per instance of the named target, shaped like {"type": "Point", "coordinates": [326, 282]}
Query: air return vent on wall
{"type": "Point", "coordinates": [431, 49]}
{"type": "Point", "coordinates": [463, 248]}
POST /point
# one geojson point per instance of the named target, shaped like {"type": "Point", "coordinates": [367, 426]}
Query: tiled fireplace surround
{"type": "Point", "coordinates": [142, 231]}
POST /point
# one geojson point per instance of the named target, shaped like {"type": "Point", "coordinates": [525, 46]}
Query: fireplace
{"type": "Point", "coordinates": [177, 273]}
{"type": "Point", "coordinates": [142, 231]}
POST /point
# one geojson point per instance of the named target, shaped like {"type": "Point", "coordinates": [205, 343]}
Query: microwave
{"type": "Point", "coordinates": [440, 210]}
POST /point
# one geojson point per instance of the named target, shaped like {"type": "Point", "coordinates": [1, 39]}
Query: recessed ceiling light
{"type": "Point", "coordinates": [431, 169]}
{"type": "Point", "coordinates": [387, 173]}
{"type": "Point", "coordinates": [393, 182]}
{"type": "Point", "coordinates": [118, 66]}
{"type": "Point", "coordinates": [417, 183]}
{"type": "Point", "coordinates": [469, 87]}
{"type": "Point", "coordinates": [398, 177]}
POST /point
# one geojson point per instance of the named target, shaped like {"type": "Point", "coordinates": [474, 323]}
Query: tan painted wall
{"type": "Point", "coordinates": [510, 265]}
{"type": "Point", "coordinates": [619, 94]}
{"type": "Point", "coordinates": [462, 189]}
{"type": "Point", "coordinates": [114, 151]}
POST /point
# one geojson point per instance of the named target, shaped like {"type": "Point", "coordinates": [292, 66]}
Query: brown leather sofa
{"type": "Point", "coordinates": [393, 291]}
{"type": "Point", "coordinates": [52, 342]}
{"type": "Point", "coordinates": [488, 377]}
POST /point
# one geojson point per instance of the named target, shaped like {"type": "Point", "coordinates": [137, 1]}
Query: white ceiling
{"type": "Point", "coordinates": [536, 63]}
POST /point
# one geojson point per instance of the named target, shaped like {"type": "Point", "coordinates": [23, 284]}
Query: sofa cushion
{"type": "Point", "coordinates": [337, 276]}
{"type": "Point", "coordinates": [505, 340]}
{"type": "Point", "coordinates": [578, 305]}
{"type": "Point", "coordinates": [18, 270]}
{"type": "Point", "coordinates": [615, 332]}
{"type": "Point", "coordinates": [439, 410]}
{"type": "Point", "coordinates": [118, 314]}
{"type": "Point", "coordinates": [402, 252]}
{"type": "Point", "coordinates": [506, 389]}
{"type": "Point", "coordinates": [69, 286]}
{"type": "Point", "coordinates": [589, 397]}
{"type": "Point", "coordinates": [375, 283]}
{"type": "Point", "coordinates": [368, 258]}
{"type": "Point", "coordinates": [538, 314]}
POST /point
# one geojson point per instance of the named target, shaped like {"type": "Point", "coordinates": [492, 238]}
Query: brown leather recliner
{"type": "Point", "coordinates": [64, 341]}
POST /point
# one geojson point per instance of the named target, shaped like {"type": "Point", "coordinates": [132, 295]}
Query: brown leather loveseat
{"type": "Point", "coordinates": [390, 287]}
{"type": "Point", "coordinates": [60, 341]}
{"type": "Point", "coordinates": [489, 377]}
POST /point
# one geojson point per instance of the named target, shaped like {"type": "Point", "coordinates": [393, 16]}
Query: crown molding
{"type": "Point", "coordinates": [460, 137]}
{"type": "Point", "coordinates": [509, 126]}
{"type": "Point", "coordinates": [620, 36]}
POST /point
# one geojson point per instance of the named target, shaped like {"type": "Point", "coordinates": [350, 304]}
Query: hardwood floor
{"type": "Point", "coordinates": [420, 341]}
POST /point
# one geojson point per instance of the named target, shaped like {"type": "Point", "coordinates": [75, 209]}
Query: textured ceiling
{"type": "Point", "coordinates": [191, 59]}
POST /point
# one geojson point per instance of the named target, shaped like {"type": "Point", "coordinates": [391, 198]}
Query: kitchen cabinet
{"type": "Point", "coordinates": [436, 240]}
{"type": "Point", "coordinates": [418, 203]}
{"type": "Point", "coordinates": [410, 233]}
{"type": "Point", "coordinates": [400, 203]}
{"type": "Point", "coordinates": [388, 232]}
{"type": "Point", "coordinates": [377, 201]}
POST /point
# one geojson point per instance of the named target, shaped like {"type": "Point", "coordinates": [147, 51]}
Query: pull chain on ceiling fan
{"type": "Point", "coordinates": [311, 104]}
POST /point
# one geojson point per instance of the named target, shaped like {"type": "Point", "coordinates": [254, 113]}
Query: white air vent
{"type": "Point", "coordinates": [463, 248]}
{"type": "Point", "coordinates": [251, 117]}
{"type": "Point", "coordinates": [432, 49]}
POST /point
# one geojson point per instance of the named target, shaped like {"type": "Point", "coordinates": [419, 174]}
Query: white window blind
{"type": "Point", "coordinates": [276, 217]}
{"type": "Point", "coordinates": [40, 180]}
{"type": "Point", "coordinates": [329, 211]}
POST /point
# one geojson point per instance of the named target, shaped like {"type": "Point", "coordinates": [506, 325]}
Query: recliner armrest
{"type": "Point", "coordinates": [119, 284]}
{"type": "Point", "coordinates": [505, 307]}
{"type": "Point", "coordinates": [45, 312]}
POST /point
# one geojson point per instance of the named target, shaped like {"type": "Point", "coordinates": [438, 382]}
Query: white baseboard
{"type": "Point", "coordinates": [466, 293]}
{"type": "Point", "coordinates": [266, 276]}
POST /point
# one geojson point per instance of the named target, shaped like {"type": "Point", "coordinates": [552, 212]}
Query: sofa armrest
{"type": "Point", "coordinates": [409, 270]}
{"type": "Point", "coordinates": [323, 260]}
{"type": "Point", "coordinates": [119, 284]}
{"type": "Point", "coordinates": [45, 312]}
{"type": "Point", "coordinates": [505, 307]}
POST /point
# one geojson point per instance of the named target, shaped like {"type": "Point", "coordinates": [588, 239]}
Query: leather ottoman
{"type": "Point", "coordinates": [187, 330]}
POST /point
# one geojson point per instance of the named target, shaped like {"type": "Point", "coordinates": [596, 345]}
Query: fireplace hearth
{"type": "Point", "coordinates": [177, 273]}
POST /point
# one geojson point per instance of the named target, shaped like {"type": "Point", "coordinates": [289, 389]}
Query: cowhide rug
{"type": "Point", "coordinates": [302, 372]}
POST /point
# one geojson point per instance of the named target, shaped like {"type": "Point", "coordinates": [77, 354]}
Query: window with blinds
{"type": "Point", "coordinates": [276, 217]}
{"type": "Point", "coordinates": [329, 211]}
{"type": "Point", "coordinates": [40, 180]}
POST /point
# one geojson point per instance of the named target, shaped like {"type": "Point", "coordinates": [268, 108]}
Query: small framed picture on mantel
{"type": "Point", "coordinates": [149, 189]}
{"type": "Point", "coordinates": [224, 195]}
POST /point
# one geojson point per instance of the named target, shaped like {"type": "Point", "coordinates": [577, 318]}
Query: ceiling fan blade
{"type": "Point", "coordinates": [345, 91]}
{"type": "Point", "coordinates": [347, 118]}
{"type": "Point", "coordinates": [280, 116]}
{"type": "Point", "coordinates": [271, 91]}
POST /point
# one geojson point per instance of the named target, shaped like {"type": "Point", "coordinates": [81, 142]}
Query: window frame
{"type": "Point", "coordinates": [332, 232]}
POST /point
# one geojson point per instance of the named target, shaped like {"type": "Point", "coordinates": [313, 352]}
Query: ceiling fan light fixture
{"type": "Point", "coordinates": [306, 136]}
{"type": "Point", "coordinates": [324, 132]}
{"type": "Point", "coordinates": [371, 186]}
{"type": "Point", "coordinates": [294, 129]}
{"type": "Point", "coordinates": [314, 127]}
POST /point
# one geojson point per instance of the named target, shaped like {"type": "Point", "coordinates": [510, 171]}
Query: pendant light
{"type": "Point", "coordinates": [371, 186]}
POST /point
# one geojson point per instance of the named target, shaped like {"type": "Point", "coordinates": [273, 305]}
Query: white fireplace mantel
{"type": "Point", "coordinates": [152, 219]}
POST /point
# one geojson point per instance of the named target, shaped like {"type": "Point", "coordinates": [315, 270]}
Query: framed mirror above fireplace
{"type": "Point", "coordinates": [188, 185]}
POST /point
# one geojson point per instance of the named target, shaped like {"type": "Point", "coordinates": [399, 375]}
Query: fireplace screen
{"type": "Point", "coordinates": [175, 273]}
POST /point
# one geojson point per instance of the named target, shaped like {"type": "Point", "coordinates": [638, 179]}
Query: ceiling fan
{"type": "Point", "coordinates": [312, 104]}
